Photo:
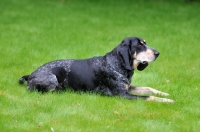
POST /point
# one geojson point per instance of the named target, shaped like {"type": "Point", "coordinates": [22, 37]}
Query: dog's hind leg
{"type": "Point", "coordinates": [43, 83]}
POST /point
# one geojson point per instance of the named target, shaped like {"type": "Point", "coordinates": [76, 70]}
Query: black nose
{"type": "Point", "coordinates": [156, 53]}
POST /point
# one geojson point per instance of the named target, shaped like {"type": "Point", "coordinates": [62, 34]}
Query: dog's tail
{"type": "Point", "coordinates": [23, 79]}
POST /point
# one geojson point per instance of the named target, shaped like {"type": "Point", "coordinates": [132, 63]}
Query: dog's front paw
{"type": "Point", "coordinates": [153, 98]}
{"type": "Point", "coordinates": [163, 94]}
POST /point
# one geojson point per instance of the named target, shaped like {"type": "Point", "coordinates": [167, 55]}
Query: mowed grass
{"type": "Point", "coordinates": [35, 32]}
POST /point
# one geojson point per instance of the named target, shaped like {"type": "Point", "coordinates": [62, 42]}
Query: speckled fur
{"type": "Point", "coordinates": [109, 75]}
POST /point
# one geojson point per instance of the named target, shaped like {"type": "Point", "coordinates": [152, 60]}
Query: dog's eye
{"type": "Point", "coordinates": [141, 43]}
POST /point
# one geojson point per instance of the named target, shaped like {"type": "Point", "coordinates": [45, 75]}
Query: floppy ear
{"type": "Point", "coordinates": [141, 66]}
{"type": "Point", "coordinates": [126, 50]}
{"type": "Point", "coordinates": [125, 53]}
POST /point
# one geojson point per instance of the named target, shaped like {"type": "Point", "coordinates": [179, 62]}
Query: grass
{"type": "Point", "coordinates": [35, 32]}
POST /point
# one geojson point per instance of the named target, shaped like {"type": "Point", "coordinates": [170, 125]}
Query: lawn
{"type": "Point", "coordinates": [35, 32]}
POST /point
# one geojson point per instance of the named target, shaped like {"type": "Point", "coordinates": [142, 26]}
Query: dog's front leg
{"type": "Point", "coordinates": [148, 98]}
{"type": "Point", "coordinates": [157, 99]}
{"type": "Point", "coordinates": [145, 91]}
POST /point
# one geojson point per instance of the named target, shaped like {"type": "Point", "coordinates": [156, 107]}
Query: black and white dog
{"type": "Point", "coordinates": [109, 75]}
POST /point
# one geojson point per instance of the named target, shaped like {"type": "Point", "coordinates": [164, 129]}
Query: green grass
{"type": "Point", "coordinates": [35, 32]}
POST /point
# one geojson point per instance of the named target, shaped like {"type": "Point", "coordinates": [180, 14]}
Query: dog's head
{"type": "Point", "coordinates": [136, 54]}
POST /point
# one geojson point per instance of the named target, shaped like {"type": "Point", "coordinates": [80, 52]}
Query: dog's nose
{"type": "Point", "coordinates": [156, 53]}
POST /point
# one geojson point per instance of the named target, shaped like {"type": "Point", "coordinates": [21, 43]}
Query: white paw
{"type": "Point", "coordinates": [153, 98]}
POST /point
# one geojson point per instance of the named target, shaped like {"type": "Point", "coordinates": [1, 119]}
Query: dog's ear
{"type": "Point", "coordinates": [141, 66]}
{"type": "Point", "coordinates": [125, 50]}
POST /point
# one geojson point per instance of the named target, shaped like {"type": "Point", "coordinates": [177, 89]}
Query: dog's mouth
{"type": "Point", "coordinates": [137, 62]}
{"type": "Point", "coordinates": [144, 62]}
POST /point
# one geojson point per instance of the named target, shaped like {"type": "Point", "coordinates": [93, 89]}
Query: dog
{"type": "Point", "coordinates": [109, 75]}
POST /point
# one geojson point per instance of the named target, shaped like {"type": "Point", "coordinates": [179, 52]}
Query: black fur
{"type": "Point", "coordinates": [108, 75]}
